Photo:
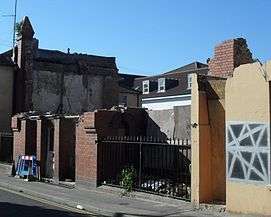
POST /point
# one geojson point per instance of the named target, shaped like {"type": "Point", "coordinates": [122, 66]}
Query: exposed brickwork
{"type": "Point", "coordinates": [18, 128]}
{"type": "Point", "coordinates": [31, 138]}
{"type": "Point", "coordinates": [229, 55]}
{"type": "Point", "coordinates": [25, 137]}
{"type": "Point", "coordinates": [94, 125]}
{"type": "Point", "coordinates": [26, 49]}
{"type": "Point", "coordinates": [86, 150]}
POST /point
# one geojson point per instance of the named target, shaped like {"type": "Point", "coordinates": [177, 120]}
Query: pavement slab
{"type": "Point", "coordinates": [104, 202]}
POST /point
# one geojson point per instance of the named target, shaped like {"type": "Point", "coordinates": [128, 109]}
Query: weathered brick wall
{"type": "Point", "coordinates": [19, 135]}
{"type": "Point", "coordinates": [86, 150]}
{"type": "Point", "coordinates": [26, 46]}
{"type": "Point", "coordinates": [94, 125]}
{"type": "Point", "coordinates": [25, 137]}
{"type": "Point", "coordinates": [229, 55]}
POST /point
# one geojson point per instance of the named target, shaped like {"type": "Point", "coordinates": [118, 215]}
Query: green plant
{"type": "Point", "coordinates": [128, 176]}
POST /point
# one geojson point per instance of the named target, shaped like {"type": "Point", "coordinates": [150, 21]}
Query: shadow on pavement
{"type": "Point", "coordinates": [180, 214]}
{"type": "Point", "coordinates": [17, 210]}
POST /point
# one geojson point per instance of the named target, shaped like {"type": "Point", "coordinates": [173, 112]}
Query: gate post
{"type": "Point", "coordinates": [201, 177]}
{"type": "Point", "coordinates": [86, 166]}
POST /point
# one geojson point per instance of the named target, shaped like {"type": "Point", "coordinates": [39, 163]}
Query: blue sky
{"type": "Point", "coordinates": [146, 36]}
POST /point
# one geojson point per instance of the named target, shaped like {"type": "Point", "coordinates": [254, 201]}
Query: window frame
{"type": "Point", "coordinates": [163, 81]}
{"type": "Point", "coordinates": [147, 89]}
{"type": "Point", "coordinates": [189, 81]}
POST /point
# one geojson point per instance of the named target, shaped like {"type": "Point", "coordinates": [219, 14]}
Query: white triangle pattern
{"type": "Point", "coordinates": [252, 140]}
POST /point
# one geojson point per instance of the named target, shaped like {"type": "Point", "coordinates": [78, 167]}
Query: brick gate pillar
{"type": "Point", "coordinates": [18, 126]}
{"type": "Point", "coordinates": [86, 151]}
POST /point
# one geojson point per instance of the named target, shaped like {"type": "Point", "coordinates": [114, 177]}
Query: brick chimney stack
{"type": "Point", "coordinates": [229, 55]}
{"type": "Point", "coordinates": [25, 51]}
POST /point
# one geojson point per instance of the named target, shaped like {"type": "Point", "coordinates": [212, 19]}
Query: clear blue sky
{"type": "Point", "coordinates": [146, 36]}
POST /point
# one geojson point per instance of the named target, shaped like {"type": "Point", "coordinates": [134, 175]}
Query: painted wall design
{"type": "Point", "coordinates": [248, 152]}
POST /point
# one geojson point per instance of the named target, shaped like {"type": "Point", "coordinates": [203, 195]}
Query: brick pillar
{"type": "Point", "coordinates": [56, 149]}
{"type": "Point", "coordinates": [26, 47]}
{"type": "Point", "coordinates": [86, 151]}
{"type": "Point", "coordinates": [19, 136]}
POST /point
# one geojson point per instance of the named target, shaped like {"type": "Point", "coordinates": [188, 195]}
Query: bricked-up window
{"type": "Point", "coordinates": [189, 81]}
{"type": "Point", "coordinates": [146, 86]}
{"type": "Point", "coordinates": [161, 85]}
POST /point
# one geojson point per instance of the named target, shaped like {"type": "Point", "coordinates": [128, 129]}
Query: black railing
{"type": "Point", "coordinates": [161, 166]}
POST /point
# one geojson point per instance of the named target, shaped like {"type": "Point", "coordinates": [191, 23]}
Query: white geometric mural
{"type": "Point", "coordinates": [248, 152]}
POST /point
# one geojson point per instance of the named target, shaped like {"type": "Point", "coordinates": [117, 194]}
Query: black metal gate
{"type": "Point", "coordinates": [161, 166]}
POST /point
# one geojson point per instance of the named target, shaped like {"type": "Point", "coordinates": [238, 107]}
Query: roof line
{"type": "Point", "coordinates": [176, 72]}
{"type": "Point", "coordinates": [75, 53]}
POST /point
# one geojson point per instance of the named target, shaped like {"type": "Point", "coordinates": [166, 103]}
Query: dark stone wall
{"type": "Point", "coordinates": [58, 82]}
{"type": "Point", "coordinates": [57, 86]}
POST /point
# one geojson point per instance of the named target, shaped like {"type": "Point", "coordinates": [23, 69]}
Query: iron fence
{"type": "Point", "coordinates": [161, 166]}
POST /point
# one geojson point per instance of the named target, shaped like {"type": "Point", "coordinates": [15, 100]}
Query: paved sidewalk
{"type": "Point", "coordinates": [103, 202]}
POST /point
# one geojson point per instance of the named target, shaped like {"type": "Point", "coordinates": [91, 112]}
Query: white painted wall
{"type": "Point", "coordinates": [168, 102]}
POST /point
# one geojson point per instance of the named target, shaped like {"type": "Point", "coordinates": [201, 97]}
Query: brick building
{"type": "Point", "coordinates": [66, 146]}
{"type": "Point", "coordinates": [52, 82]}
{"type": "Point", "coordinates": [58, 82]}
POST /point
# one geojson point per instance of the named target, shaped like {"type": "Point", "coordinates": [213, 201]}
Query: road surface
{"type": "Point", "coordinates": [14, 205]}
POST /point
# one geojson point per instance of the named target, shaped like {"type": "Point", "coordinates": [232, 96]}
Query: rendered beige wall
{"type": "Point", "coordinates": [216, 111]}
{"type": "Point", "coordinates": [6, 97]}
{"type": "Point", "coordinates": [248, 100]}
{"type": "Point", "coordinates": [207, 135]}
{"type": "Point", "coordinates": [201, 148]}
{"type": "Point", "coordinates": [195, 141]}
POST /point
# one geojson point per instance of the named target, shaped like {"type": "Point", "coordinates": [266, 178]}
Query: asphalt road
{"type": "Point", "coordinates": [12, 204]}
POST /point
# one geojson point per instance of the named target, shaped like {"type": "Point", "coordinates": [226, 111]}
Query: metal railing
{"type": "Point", "coordinates": [161, 166]}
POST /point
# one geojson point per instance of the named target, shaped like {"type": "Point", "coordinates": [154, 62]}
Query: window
{"type": "Point", "coordinates": [189, 81]}
{"type": "Point", "coordinates": [146, 86]}
{"type": "Point", "coordinates": [161, 85]}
